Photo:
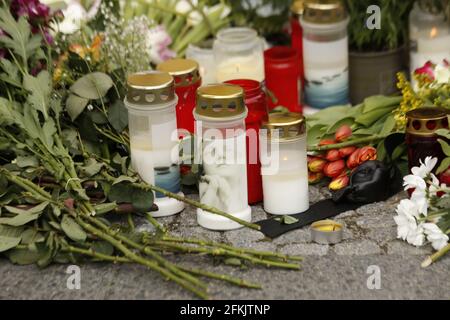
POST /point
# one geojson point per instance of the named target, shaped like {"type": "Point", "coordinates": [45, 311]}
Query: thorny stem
{"type": "Point", "coordinates": [145, 186]}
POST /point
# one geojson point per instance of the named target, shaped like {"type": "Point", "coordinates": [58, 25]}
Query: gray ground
{"type": "Point", "coordinates": [328, 272]}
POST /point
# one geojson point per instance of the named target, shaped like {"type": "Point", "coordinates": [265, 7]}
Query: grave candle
{"type": "Point", "coordinates": [284, 166]}
{"type": "Point", "coordinates": [220, 128]}
{"type": "Point", "coordinates": [204, 56]}
{"type": "Point", "coordinates": [325, 53]}
{"type": "Point", "coordinates": [239, 55]}
{"type": "Point", "coordinates": [151, 102]}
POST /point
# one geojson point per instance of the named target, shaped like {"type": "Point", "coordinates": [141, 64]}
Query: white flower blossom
{"type": "Point", "coordinates": [158, 41]}
{"type": "Point", "coordinates": [75, 15]}
{"type": "Point", "coordinates": [406, 219]}
{"type": "Point", "coordinates": [195, 17]}
{"type": "Point", "coordinates": [442, 74]}
{"type": "Point", "coordinates": [414, 182]}
{"type": "Point", "coordinates": [416, 237]}
{"type": "Point", "coordinates": [435, 235]}
{"type": "Point", "coordinates": [425, 167]}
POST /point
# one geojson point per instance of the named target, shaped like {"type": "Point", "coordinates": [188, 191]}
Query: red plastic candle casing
{"type": "Point", "coordinates": [187, 80]}
{"type": "Point", "coordinates": [283, 77]}
{"type": "Point", "coordinates": [256, 102]}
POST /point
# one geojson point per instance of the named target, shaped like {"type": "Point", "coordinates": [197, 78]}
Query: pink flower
{"type": "Point", "coordinates": [158, 41]}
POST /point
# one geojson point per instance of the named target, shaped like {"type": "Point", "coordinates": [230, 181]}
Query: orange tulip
{"type": "Point", "coordinates": [314, 177]}
{"type": "Point", "coordinates": [367, 153]}
{"type": "Point", "coordinates": [316, 165]}
{"type": "Point", "coordinates": [326, 142]}
{"type": "Point", "coordinates": [352, 161]}
{"type": "Point", "coordinates": [334, 169]}
{"type": "Point", "coordinates": [332, 155]}
{"type": "Point", "coordinates": [342, 133]}
{"type": "Point", "coordinates": [345, 152]}
{"type": "Point", "coordinates": [339, 182]}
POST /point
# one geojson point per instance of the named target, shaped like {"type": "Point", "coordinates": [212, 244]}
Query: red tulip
{"type": "Point", "coordinates": [334, 169]}
{"type": "Point", "coordinates": [345, 152]}
{"type": "Point", "coordinates": [326, 142]}
{"type": "Point", "coordinates": [367, 153]}
{"type": "Point", "coordinates": [316, 165]}
{"type": "Point", "coordinates": [343, 133]}
{"type": "Point", "coordinates": [352, 161]}
{"type": "Point", "coordinates": [332, 155]}
{"type": "Point", "coordinates": [339, 182]}
{"type": "Point", "coordinates": [314, 177]}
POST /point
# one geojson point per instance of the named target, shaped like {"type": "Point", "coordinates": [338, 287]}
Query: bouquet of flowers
{"type": "Point", "coordinates": [432, 88]}
{"type": "Point", "coordinates": [425, 217]}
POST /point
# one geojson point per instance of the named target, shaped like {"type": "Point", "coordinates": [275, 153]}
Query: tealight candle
{"type": "Point", "coordinates": [325, 53]}
{"type": "Point", "coordinates": [239, 55]}
{"type": "Point", "coordinates": [220, 115]}
{"type": "Point", "coordinates": [151, 102]}
{"type": "Point", "coordinates": [326, 232]}
{"type": "Point", "coordinates": [284, 165]}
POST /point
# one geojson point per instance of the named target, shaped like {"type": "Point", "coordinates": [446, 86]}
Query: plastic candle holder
{"type": "Point", "coordinates": [151, 102]}
{"type": "Point", "coordinates": [296, 31]}
{"type": "Point", "coordinates": [220, 129]}
{"type": "Point", "coordinates": [282, 70]}
{"type": "Point", "coordinates": [421, 137]}
{"type": "Point", "coordinates": [239, 55]}
{"type": "Point", "coordinates": [187, 80]}
{"type": "Point", "coordinates": [429, 36]}
{"type": "Point", "coordinates": [256, 102]}
{"type": "Point", "coordinates": [284, 167]}
{"type": "Point", "coordinates": [325, 53]}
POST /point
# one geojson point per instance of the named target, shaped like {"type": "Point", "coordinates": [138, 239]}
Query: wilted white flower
{"type": "Point", "coordinates": [435, 235]}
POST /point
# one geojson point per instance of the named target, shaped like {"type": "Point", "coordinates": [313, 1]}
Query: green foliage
{"type": "Point", "coordinates": [394, 25]}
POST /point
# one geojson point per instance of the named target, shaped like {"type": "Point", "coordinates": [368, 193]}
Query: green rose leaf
{"type": "Point", "coordinates": [287, 219]}
{"type": "Point", "coordinates": [75, 105]}
{"type": "Point", "coordinates": [92, 86]}
{"type": "Point", "coordinates": [445, 147]}
{"type": "Point", "coordinates": [118, 116]}
{"type": "Point", "coordinates": [72, 229]}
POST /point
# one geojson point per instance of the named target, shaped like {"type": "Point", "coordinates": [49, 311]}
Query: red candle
{"type": "Point", "coordinates": [187, 79]}
{"type": "Point", "coordinates": [282, 73]}
{"type": "Point", "coordinates": [256, 102]}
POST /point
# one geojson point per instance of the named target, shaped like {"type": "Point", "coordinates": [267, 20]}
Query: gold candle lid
{"type": "Point", "coordinates": [220, 102]}
{"type": "Point", "coordinates": [289, 125]}
{"type": "Point", "coordinates": [184, 71]}
{"type": "Point", "coordinates": [298, 7]}
{"type": "Point", "coordinates": [324, 11]}
{"type": "Point", "coordinates": [425, 121]}
{"type": "Point", "coordinates": [150, 88]}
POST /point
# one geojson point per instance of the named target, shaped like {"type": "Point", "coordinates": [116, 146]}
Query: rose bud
{"type": "Point", "coordinates": [334, 169]}
{"type": "Point", "coordinates": [367, 153]}
{"type": "Point", "coordinates": [339, 182]}
{"type": "Point", "coordinates": [343, 133]}
{"type": "Point", "coordinates": [316, 165]}
{"type": "Point", "coordinates": [352, 161]}
{"type": "Point", "coordinates": [326, 142]}
{"type": "Point", "coordinates": [345, 152]}
{"type": "Point", "coordinates": [314, 177]}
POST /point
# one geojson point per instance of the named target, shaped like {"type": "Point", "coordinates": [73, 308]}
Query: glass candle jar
{"type": "Point", "coordinates": [220, 114]}
{"type": "Point", "coordinates": [151, 102]}
{"type": "Point", "coordinates": [256, 102]}
{"type": "Point", "coordinates": [421, 137]}
{"type": "Point", "coordinates": [296, 32]}
{"type": "Point", "coordinates": [204, 56]}
{"type": "Point", "coordinates": [239, 55]}
{"type": "Point", "coordinates": [187, 80]}
{"type": "Point", "coordinates": [284, 167]}
{"type": "Point", "coordinates": [429, 36]}
{"type": "Point", "coordinates": [325, 53]}
{"type": "Point", "coordinates": [283, 77]}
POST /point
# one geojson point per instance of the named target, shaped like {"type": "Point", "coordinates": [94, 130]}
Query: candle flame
{"type": "Point", "coordinates": [433, 32]}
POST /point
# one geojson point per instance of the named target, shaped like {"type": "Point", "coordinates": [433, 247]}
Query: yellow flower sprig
{"type": "Point", "coordinates": [409, 102]}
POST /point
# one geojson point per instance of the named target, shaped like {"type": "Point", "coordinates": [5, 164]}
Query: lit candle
{"type": "Point", "coordinates": [284, 167]}
{"type": "Point", "coordinates": [326, 232]}
{"type": "Point", "coordinates": [239, 55]}
{"type": "Point", "coordinates": [429, 36]}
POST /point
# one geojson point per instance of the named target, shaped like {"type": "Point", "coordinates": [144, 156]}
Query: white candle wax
{"type": "Point", "coordinates": [286, 190]}
{"type": "Point", "coordinates": [205, 59]}
{"type": "Point", "coordinates": [241, 68]}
